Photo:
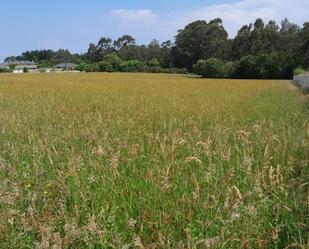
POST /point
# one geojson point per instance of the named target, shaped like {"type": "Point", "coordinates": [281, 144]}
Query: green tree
{"type": "Point", "coordinates": [165, 57]}
{"type": "Point", "coordinates": [200, 40]}
{"type": "Point", "coordinates": [92, 54]}
{"type": "Point", "coordinates": [124, 41]}
{"type": "Point", "coordinates": [290, 40]}
{"type": "Point", "coordinates": [241, 45]}
{"type": "Point", "coordinates": [62, 56]}
{"type": "Point", "coordinates": [304, 36]}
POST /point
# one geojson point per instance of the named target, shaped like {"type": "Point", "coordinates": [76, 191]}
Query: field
{"type": "Point", "coordinates": [152, 161]}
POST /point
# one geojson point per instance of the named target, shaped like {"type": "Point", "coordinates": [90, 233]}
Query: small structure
{"type": "Point", "coordinates": [24, 67]}
{"type": "Point", "coordinates": [302, 81]}
{"type": "Point", "coordinates": [65, 67]}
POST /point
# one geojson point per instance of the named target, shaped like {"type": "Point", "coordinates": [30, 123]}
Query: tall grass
{"type": "Point", "coordinates": [152, 161]}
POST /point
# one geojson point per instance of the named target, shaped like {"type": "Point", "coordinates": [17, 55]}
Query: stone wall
{"type": "Point", "coordinates": [302, 81]}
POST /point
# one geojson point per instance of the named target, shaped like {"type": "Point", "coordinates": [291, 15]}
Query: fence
{"type": "Point", "coordinates": [302, 81]}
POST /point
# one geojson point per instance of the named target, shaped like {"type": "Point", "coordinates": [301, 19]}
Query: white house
{"type": "Point", "coordinates": [65, 67]}
{"type": "Point", "coordinates": [25, 66]}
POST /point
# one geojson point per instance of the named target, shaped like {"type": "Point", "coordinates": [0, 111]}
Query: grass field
{"type": "Point", "coordinates": [152, 161]}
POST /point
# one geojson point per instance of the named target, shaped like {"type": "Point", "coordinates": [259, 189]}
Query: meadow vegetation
{"type": "Point", "coordinates": [152, 161]}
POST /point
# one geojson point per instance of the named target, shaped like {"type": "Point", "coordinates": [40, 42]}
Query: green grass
{"type": "Point", "coordinates": [152, 161]}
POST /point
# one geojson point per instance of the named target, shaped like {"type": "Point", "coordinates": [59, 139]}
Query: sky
{"type": "Point", "coordinates": [73, 24]}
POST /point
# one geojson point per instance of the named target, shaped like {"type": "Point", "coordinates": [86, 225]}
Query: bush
{"type": "Point", "coordinates": [175, 70]}
{"type": "Point", "coordinates": [264, 66]}
{"type": "Point", "coordinates": [132, 66]}
{"type": "Point", "coordinates": [44, 65]}
{"type": "Point", "coordinates": [153, 63]}
{"type": "Point", "coordinates": [82, 67]}
{"type": "Point", "coordinates": [228, 70]}
{"type": "Point", "coordinates": [105, 66]}
{"type": "Point", "coordinates": [298, 71]}
{"type": "Point", "coordinates": [114, 61]}
{"type": "Point", "coordinates": [211, 68]}
{"type": "Point", "coordinates": [153, 69]}
{"type": "Point", "coordinates": [246, 68]}
{"type": "Point", "coordinates": [91, 68]}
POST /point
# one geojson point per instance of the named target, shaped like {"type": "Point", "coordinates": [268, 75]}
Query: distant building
{"type": "Point", "coordinates": [65, 67]}
{"type": "Point", "coordinates": [24, 66]}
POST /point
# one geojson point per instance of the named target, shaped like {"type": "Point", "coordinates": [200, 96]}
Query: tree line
{"type": "Point", "coordinates": [258, 50]}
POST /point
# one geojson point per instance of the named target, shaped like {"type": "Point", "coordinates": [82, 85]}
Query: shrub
{"type": "Point", "coordinates": [44, 65]}
{"type": "Point", "coordinates": [85, 67]}
{"type": "Point", "coordinates": [114, 61]}
{"type": "Point", "coordinates": [175, 70]}
{"type": "Point", "coordinates": [132, 66]}
{"type": "Point", "coordinates": [298, 71]}
{"type": "Point", "coordinates": [153, 69]}
{"type": "Point", "coordinates": [264, 66]}
{"type": "Point", "coordinates": [105, 66]}
{"type": "Point", "coordinates": [246, 67]}
{"type": "Point", "coordinates": [228, 70]}
{"type": "Point", "coordinates": [82, 67]}
{"type": "Point", "coordinates": [211, 68]}
{"type": "Point", "coordinates": [199, 67]}
{"type": "Point", "coordinates": [91, 67]}
{"type": "Point", "coordinates": [153, 63]}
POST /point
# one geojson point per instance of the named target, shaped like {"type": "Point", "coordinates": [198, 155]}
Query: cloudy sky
{"type": "Point", "coordinates": [72, 24]}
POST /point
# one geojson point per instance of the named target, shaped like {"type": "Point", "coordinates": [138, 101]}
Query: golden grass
{"type": "Point", "coordinates": [152, 161]}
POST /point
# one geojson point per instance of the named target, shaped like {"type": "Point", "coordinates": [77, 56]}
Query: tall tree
{"type": "Point", "coordinates": [62, 55]}
{"type": "Point", "coordinates": [200, 40]}
{"type": "Point", "coordinates": [241, 44]}
{"type": "Point", "coordinates": [304, 35]}
{"type": "Point", "coordinates": [271, 37]}
{"type": "Point", "coordinates": [290, 41]}
{"type": "Point", "coordinates": [166, 54]}
{"type": "Point", "coordinates": [92, 54]}
{"type": "Point", "coordinates": [124, 41]}
{"type": "Point", "coordinates": [104, 46]}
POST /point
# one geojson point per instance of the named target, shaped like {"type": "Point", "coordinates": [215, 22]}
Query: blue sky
{"type": "Point", "coordinates": [72, 24]}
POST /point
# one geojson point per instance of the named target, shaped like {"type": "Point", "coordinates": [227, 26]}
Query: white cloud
{"type": "Point", "coordinates": [234, 15]}
{"type": "Point", "coordinates": [142, 15]}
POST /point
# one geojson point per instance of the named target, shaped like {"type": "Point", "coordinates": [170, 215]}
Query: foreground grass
{"type": "Point", "coordinates": [152, 161]}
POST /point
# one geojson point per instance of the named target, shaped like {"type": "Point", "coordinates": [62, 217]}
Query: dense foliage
{"type": "Point", "coordinates": [259, 50]}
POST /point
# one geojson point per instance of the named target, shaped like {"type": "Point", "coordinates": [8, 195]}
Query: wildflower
{"type": "Point", "coordinates": [11, 221]}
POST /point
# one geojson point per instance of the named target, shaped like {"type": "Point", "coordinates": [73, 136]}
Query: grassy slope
{"type": "Point", "coordinates": [154, 161]}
